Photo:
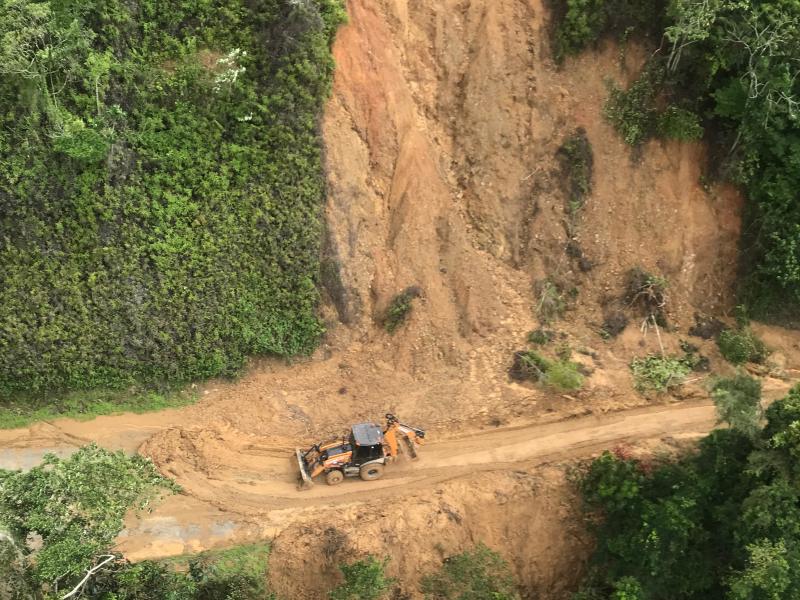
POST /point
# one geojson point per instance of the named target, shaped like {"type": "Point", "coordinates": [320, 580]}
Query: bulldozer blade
{"type": "Point", "coordinates": [305, 480]}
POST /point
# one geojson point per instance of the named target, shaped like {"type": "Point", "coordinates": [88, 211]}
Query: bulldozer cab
{"type": "Point", "coordinates": [366, 440]}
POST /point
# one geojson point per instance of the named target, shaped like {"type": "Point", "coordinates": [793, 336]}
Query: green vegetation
{"type": "Point", "coordinates": [363, 580]}
{"type": "Point", "coordinates": [580, 23]}
{"type": "Point", "coordinates": [679, 124]}
{"type": "Point", "coordinates": [477, 574]}
{"type": "Point", "coordinates": [76, 505]}
{"type": "Point", "coordinates": [647, 293]}
{"type": "Point", "coordinates": [577, 160]}
{"type": "Point", "coordinates": [160, 184]}
{"type": "Point", "coordinates": [739, 346]}
{"type": "Point", "coordinates": [720, 523]}
{"type": "Point", "coordinates": [728, 68]}
{"type": "Point", "coordinates": [551, 304]}
{"type": "Point", "coordinates": [24, 409]}
{"type": "Point", "coordinates": [633, 112]}
{"type": "Point", "coordinates": [400, 308]}
{"type": "Point", "coordinates": [738, 401]}
{"type": "Point", "coordinates": [561, 373]}
{"type": "Point", "coordinates": [541, 337]}
{"type": "Point", "coordinates": [659, 373]}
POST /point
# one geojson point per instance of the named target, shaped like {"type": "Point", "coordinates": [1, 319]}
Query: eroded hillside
{"type": "Point", "coordinates": [442, 140]}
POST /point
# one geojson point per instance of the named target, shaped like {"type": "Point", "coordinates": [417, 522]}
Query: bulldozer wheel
{"type": "Point", "coordinates": [371, 472]}
{"type": "Point", "coordinates": [334, 477]}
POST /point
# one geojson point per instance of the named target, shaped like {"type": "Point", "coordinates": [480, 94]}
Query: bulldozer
{"type": "Point", "coordinates": [363, 453]}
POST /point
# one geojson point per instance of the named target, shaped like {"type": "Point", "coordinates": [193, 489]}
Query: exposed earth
{"type": "Point", "coordinates": [441, 139]}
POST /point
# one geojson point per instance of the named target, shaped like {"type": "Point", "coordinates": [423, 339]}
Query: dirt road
{"type": "Point", "coordinates": [238, 474]}
{"type": "Point", "coordinates": [236, 489]}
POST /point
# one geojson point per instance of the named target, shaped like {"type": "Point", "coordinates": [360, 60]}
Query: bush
{"type": "Point", "coordinates": [577, 159]}
{"type": "Point", "coordinates": [583, 23]}
{"type": "Point", "coordinates": [564, 375]}
{"type": "Point", "coordinates": [363, 580]}
{"type": "Point", "coordinates": [551, 304]}
{"type": "Point", "coordinates": [400, 308]}
{"type": "Point", "coordinates": [528, 365]}
{"type": "Point", "coordinates": [541, 336]}
{"type": "Point", "coordinates": [632, 112]}
{"type": "Point", "coordinates": [477, 574]}
{"type": "Point", "coordinates": [648, 293]}
{"type": "Point", "coordinates": [658, 373]}
{"type": "Point", "coordinates": [679, 124]}
{"type": "Point", "coordinates": [561, 374]}
{"type": "Point", "coordinates": [614, 323]}
{"type": "Point", "coordinates": [741, 346]}
{"type": "Point", "coordinates": [738, 401]}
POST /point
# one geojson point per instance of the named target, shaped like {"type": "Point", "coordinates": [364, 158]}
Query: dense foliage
{"type": "Point", "coordinates": [76, 506]}
{"type": "Point", "coordinates": [160, 186]}
{"type": "Point", "coordinates": [720, 523]}
{"type": "Point", "coordinates": [733, 68]}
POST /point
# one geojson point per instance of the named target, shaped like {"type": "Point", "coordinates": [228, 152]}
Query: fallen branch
{"type": "Point", "coordinates": [89, 573]}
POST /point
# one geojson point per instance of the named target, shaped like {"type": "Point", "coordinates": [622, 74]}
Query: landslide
{"type": "Point", "coordinates": [441, 143]}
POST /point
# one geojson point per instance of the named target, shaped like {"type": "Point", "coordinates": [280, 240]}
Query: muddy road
{"type": "Point", "coordinates": [238, 487]}
{"type": "Point", "coordinates": [238, 474]}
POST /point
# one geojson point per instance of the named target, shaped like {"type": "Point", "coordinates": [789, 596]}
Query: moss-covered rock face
{"type": "Point", "coordinates": [160, 187]}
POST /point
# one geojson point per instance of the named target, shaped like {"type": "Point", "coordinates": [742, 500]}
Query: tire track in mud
{"type": "Point", "coordinates": [236, 475]}
{"type": "Point", "coordinates": [237, 489]}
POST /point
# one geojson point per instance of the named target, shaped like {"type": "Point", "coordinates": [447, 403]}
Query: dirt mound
{"type": "Point", "coordinates": [530, 517]}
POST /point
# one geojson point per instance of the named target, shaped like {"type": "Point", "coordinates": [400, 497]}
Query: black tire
{"type": "Point", "coordinates": [334, 477]}
{"type": "Point", "coordinates": [371, 472]}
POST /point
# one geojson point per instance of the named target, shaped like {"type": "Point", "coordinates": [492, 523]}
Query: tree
{"type": "Point", "coordinates": [738, 401]}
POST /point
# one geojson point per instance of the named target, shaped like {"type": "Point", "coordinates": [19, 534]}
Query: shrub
{"type": "Point", "coordinates": [541, 336]}
{"type": "Point", "coordinates": [658, 373]}
{"type": "Point", "coordinates": [577, 159]}
{"type": "Point", "coordinates": [561, 374]}
{"type": "Point", "coordinates": [679, 124]}
{"type": "Point", "coordinates": [741, 346]}
{"type": "Point", "coordinates": [363, 580]}
{"type": "Point", "coordinates": [583, 22]}
{"type": "Point", "coordinates": [632, 112]}
{"type": "Point", "coordinates": [564, 375]}
{"type": "Point", "coordinates": [475, 574]}
{"type": "Point", "coordinates": [400, 308]}
{"type": "Point", "coordinates": [648, 293]}
{"type": "Point", "coordinates": [551, 304]}
{"type": "Point", "coordinates": [614, 323]}
{"type": "Point", "coordinates": [528, 365]}
{"type": "Point", "coordinates": [706, 327]}
{"type": "Point", "coordinates": [738, 401]}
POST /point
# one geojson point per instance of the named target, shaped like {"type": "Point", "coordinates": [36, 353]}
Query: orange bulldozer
{"type": "Point", "coordinates": [363, 453]}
